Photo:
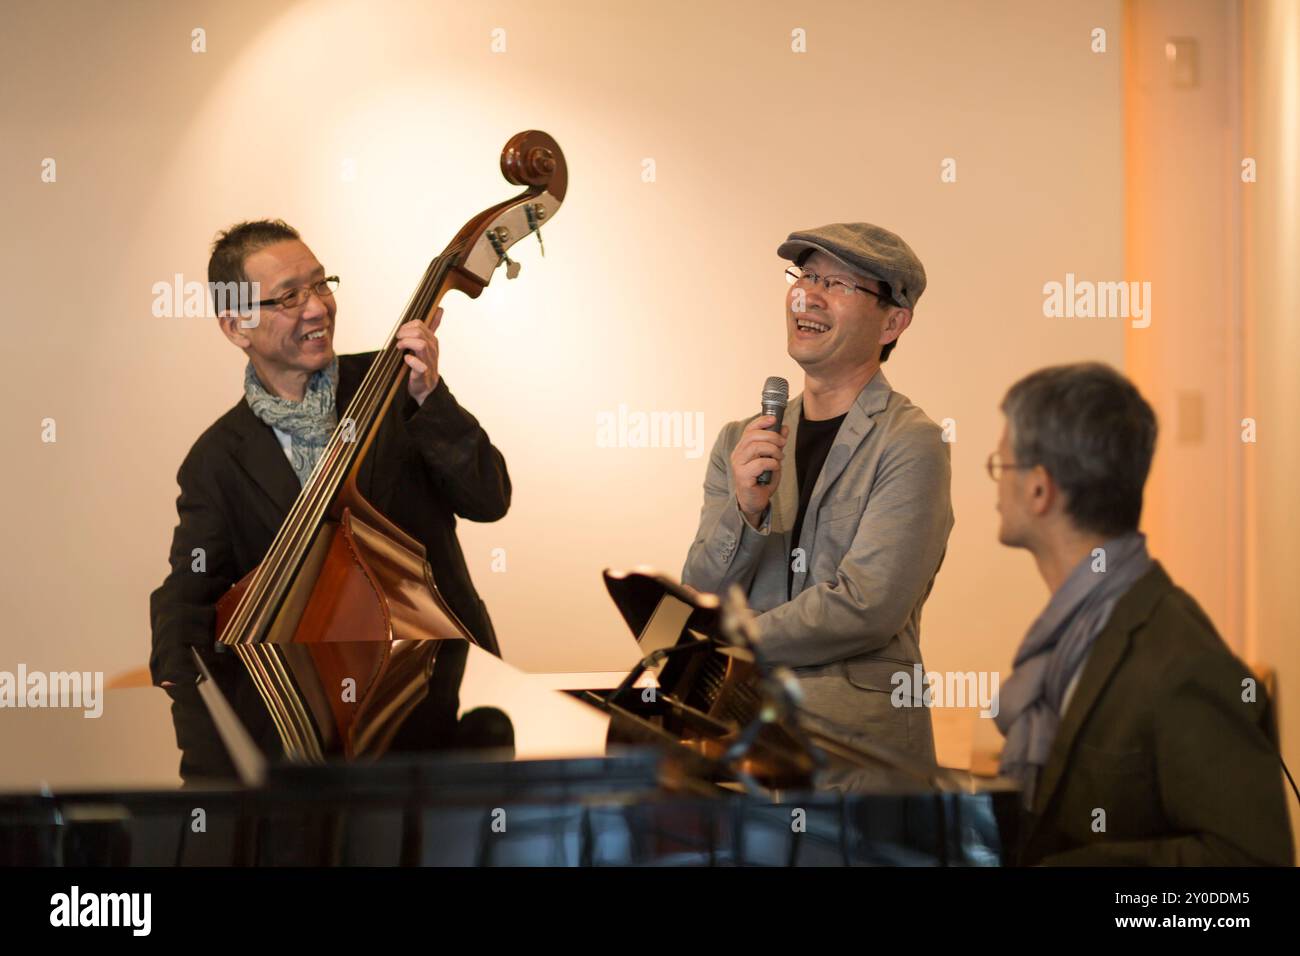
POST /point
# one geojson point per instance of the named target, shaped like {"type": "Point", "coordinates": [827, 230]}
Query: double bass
{"type": "Point", "coordinates": [340, 624]}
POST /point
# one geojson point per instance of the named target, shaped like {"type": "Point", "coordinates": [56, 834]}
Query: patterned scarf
{"type": "Point", "coordinates": [309, 423]}
{"type": "Point", "coordinates": [1029, 706]}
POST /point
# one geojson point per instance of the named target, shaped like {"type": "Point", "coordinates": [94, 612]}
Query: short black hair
{"type": "Point", "coordinates": [236, 244]}
{"type": "Point", "coordinates": [1094, 433]}
{"type": "Point", "coordinates": [886, 302]}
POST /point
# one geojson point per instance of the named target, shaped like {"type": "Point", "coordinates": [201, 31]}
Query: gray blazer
{"type": "Point", "coordinates": [873, 539]}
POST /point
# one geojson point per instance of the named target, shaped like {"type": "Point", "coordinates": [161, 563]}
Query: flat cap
{"type": "Point", "coordinates": [876, 252]}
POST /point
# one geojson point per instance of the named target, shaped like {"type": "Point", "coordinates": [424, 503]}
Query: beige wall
{"type": "Point", "coordinates": [1222, 252]}
{"type": "Point", "coordinates": [659, 296]}
{"type": "Point", "coordinates": [1271, 283]}
{"type": "Point", "coordinates": [1182, 218]}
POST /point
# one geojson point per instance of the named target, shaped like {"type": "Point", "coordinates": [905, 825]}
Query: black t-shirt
{"type": "Point", "coordinates": [812, 444]}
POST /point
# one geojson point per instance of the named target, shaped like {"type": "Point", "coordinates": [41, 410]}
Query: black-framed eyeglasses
{"type": "Point", "coordinates": [295, 298]}
{"type": "Point", "coordinates": [995, 466]}
{"type": "Point", "coordinates": [795, 275]}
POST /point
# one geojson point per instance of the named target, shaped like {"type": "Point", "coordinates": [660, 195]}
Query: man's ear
{"type": "Point", "coordinates": [896, 322]}
{"type": "Point", "coordinates": [235, 328]}
{"type": "Point", "coordinates": [1043, 491]}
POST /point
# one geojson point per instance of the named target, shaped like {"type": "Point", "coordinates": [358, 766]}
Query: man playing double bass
{"type": "Point", "coordinates": [429, 464]}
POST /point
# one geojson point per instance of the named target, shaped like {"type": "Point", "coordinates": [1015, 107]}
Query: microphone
{"type": "Point", "coordinates": [776, 392]}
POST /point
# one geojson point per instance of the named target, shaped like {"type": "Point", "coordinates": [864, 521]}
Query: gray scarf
{"type": "Point", "coordinates": [309, 422]}
{"type": "Point", "coordinates": [1029, 706]}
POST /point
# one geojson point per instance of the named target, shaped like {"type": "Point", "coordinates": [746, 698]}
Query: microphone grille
{"type": "Point", "coordinates": [776, 391]}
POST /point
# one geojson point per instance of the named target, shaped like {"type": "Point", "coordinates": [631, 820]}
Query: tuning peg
{"type": "Point", "coordinates": [499, 237]}
{"type": "Point", "coordinates": [536, 214]}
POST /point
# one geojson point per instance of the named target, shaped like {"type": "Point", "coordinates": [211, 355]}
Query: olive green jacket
{"type": "Point", "coordinates": [1166, 754]}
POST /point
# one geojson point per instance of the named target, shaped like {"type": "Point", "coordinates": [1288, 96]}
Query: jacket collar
{"type": "Point", "coordinates": [1108, 651]}
{"type": "Point", "coordinates": [259, 454]}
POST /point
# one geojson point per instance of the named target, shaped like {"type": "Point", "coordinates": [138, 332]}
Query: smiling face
{"type": "Point", "coordinates": [290, 342]}
{"type": "Point", "coordinates": [832, 333]}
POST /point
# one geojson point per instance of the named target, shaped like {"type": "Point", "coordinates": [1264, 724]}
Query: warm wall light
{"type": "Point", "coordinates": [1180, 57]}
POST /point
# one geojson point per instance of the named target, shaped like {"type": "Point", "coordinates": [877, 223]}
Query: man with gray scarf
{"type": "Point", "coordinates": [431, 463]}
{"type": "Point", "coordinates": [1136, 735]}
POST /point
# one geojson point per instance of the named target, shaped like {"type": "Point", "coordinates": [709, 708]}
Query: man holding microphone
{"type": "Point", "coordinates": [840, 548]}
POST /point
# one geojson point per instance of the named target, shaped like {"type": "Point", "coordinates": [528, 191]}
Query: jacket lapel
{"type": "Point", "coordinates": [260, 455]}
{"type": "Point", "coordinates": [857, 425]}
{"type": "Point", "coordinates": [1108, 651]}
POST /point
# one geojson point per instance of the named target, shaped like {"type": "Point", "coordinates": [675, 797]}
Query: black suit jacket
{"type": "Point", "coordinates": [429, 463]}
{"type": "Point", "coordinates": [1159, 738]}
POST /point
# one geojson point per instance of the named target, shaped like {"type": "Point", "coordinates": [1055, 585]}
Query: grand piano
{"type": "Point", "coordinates": [699, 756]}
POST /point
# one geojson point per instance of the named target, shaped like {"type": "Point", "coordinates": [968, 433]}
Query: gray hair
{"type": "Point", "coordinates": [1094, 434]}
